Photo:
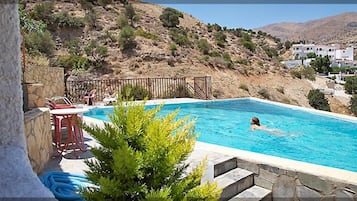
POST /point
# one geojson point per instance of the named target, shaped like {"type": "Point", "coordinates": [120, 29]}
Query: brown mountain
{"type": "Point", "coordinates": [341, 29]}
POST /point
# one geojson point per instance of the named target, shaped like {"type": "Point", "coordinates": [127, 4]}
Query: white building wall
{"type": "Point", "coordinates": [333, 52]}
{"type": "Point", "coordinates": [346, 54]}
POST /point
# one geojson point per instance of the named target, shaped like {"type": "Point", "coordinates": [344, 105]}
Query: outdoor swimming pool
{"type": "Point", "coordinates": [305, 135]}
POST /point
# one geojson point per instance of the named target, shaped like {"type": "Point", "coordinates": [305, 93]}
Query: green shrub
{"type": "Point", "coordinates": [136, 92]}
{"type": "Point", "coordinates": [130, 13]}
{"type": "Point", "coordinates": [39, 43]}
{"type": "Point", "coordinates": [321, 64]}
{"type": "Point", "coordinates": [215, 54]}
{"type": "Point", "coordinates": [271, 52]}
{"type": "Point", "coordinates": [303, 72]}
{"type": "Point", "coordinates": [249, 45]}
{"type": "Point", "coordinates": [264, 93]}
{"type": "Point", "coordinates": [242, 61]}
{"type": "Point", "coordinates": [147, 35]}
{"type": "Point", "coordinates": [71, 62]}
{"type": "Point", "coordinates": [104, 3]}
{"type": "Point", "coordinates": [244, 87]}
{"type": "Point", "coordinates": [173, 49]}
{"type": "Point", "coordinates": [351, 85]}
{"type": "Point", "coordinates": [86, 5]}
{"type": "Point", "coordinates": [317, 100]}
{"type": "Point", "coordinates": [64, 19]}
{"type": "Point", "coordinates": [74, 46]}
{"type": "Point", "coordinates": [97, 52]}
{"type": "Point", "coordinates": [309, 73]}
{"type": "Point", "coordinates": [126, 38]}
{"type": "Point", "coordinates": [353, 105]}
{"type": "Point", "coordinates": [179, 36]}
{"type": "Point", "coordinates": [122, 22]}
{"type": "Point", "coordinates": [179, 92]}
{"type": "Point", "coordinates": [170, 17]}
{"type": "Point", "coordinates": [109, 35]}
{"type": "Point", "coordinates": [204, 46]}
{"type": "Point", "coordinates": [220, 38]}
{"type": "Point", "coordinates": [43, 11]}
{"type": "Point", "coordinates": [90, 18]}
{"type": "Point", "coordinates": [142, 155]}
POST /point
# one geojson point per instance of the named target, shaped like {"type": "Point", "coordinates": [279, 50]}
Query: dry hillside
{"type": "Point", "coordinates": [249, 73]}
{"type": "Point", "coordinates": [339, 29]}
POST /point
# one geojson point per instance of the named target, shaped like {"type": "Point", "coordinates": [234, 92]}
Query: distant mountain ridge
{"type": "Point", "coordinates": [341, 29]}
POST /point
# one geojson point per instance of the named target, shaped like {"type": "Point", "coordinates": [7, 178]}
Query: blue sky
{"type": "Point", "coordinates": [249, 16]}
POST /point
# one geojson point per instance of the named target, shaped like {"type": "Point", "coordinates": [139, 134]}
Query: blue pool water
{"type": "Point", "coordinates": [304, 136]}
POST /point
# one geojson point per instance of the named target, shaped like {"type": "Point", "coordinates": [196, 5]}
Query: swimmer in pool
{"type": "Point", "coordinates": [255, 125]}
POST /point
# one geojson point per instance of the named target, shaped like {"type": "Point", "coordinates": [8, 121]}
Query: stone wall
{"type": "Point", "coordinates": [52, 79]}
{"type": "Point", "coordinates": [296, 185]}
{"type": "Point", "coordinates": [39, 137]}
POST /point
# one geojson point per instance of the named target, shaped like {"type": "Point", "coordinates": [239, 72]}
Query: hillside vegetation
{"type": "Point", "coordinates": [100, 40]}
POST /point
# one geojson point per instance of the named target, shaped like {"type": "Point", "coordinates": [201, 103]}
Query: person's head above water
{"type": "Point", "coordinates": [255, 121]}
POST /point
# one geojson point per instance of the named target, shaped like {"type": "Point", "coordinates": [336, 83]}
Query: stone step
{"type": "Point", "coordinates": [254, 193]}
{"type": "Point", "coordinates": [224, 164]}
{"type": "Point", "coordinates": [234, 182]}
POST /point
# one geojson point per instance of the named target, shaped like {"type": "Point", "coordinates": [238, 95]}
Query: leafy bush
{"type": "Point", "coordinates": [242, 61]}
{"type": "Point", "coordinates": [228, 59]}
{"type": "Point", "coordinates": [136, 92]}
{"type": "Point", "coordinates": [247, 42]}
{"type": "Point", "coordinates": [311, 55]}
{"type": "Point", "coordinates": [122, 22]}
{"type": "Point", "coordinates": [130, 13]}
{"type": "Point", "coordinates": [170, 17]}
{"type": "Point", "coordinates": [215, 54]}
{"type": "Point", "coordinates": [204, 46]}
{"type": "Point", "coordinates": [249, 45]}
{"type": "Point", "coordinates": [220, 38]}
{"type": "Point", "coordinates": [71, 62]}
{"type": "Point", "coordinates": [173, 49]}
{"type": "Point", "coordinates": [244, 87]}
{"type": "Point", "coordinates": [39, 42]}
{"type": "Point", "coordinates": [351, 85]}
{"type": "Point", "coordinates": [64, 19]}
{"type": "Point", "coordinates": [353, 105]}
{"type": "Point", "coordinates": [43, 11]}
{"type": "Point", "coordinates": [321, 64]}
{"type": "Point", "coordinates": [97, 52]}
{"type": "Point", "coordinates": [142, 155]}
{"type": "Point", "coordinates": [86, 5]}
{"type": "Point", "coordinates": [264, 93]}
{"type": "Point", "coordinates": [74, 47]}
{"type": "Point", "coordinates": [179, 36]}
{"type": "Point", "coordinates": [90, 18]}
{"type": "Point", "coordinates": [147, 35]}
{"type": "Point", "coordinates": [271, 52]}
{"type": "Point", "coordinates": [317, 100]}
{"type": "Point", "coordinates": [179, 92]}
{"type": "Point", "coordinates": [303, 72]}
{"type": "Point", "coordinates": [126, 38]}
{"type": "Point", "coordinates": [104, 3]}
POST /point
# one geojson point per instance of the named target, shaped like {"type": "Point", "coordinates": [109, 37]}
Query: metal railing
{"type": "Point", "coordinates": [156, 87]}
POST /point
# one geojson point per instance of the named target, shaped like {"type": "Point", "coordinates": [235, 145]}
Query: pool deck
{"type": "Point", "coordinates": [69, 163]}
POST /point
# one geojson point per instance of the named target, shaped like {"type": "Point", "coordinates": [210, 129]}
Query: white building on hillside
{"type": "Point", "coordinates": [332, 51]}
{"type": "Point", "coordinates": [345, 55]}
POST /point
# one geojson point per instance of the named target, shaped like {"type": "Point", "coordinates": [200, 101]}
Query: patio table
{"type": "Point", "coordinates": [70, 118]}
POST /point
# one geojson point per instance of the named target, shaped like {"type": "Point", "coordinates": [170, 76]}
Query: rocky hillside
{"type": "Point", "coordinates": [339, 29]}
{"type": "Point", "coordinates": [241, 63]}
